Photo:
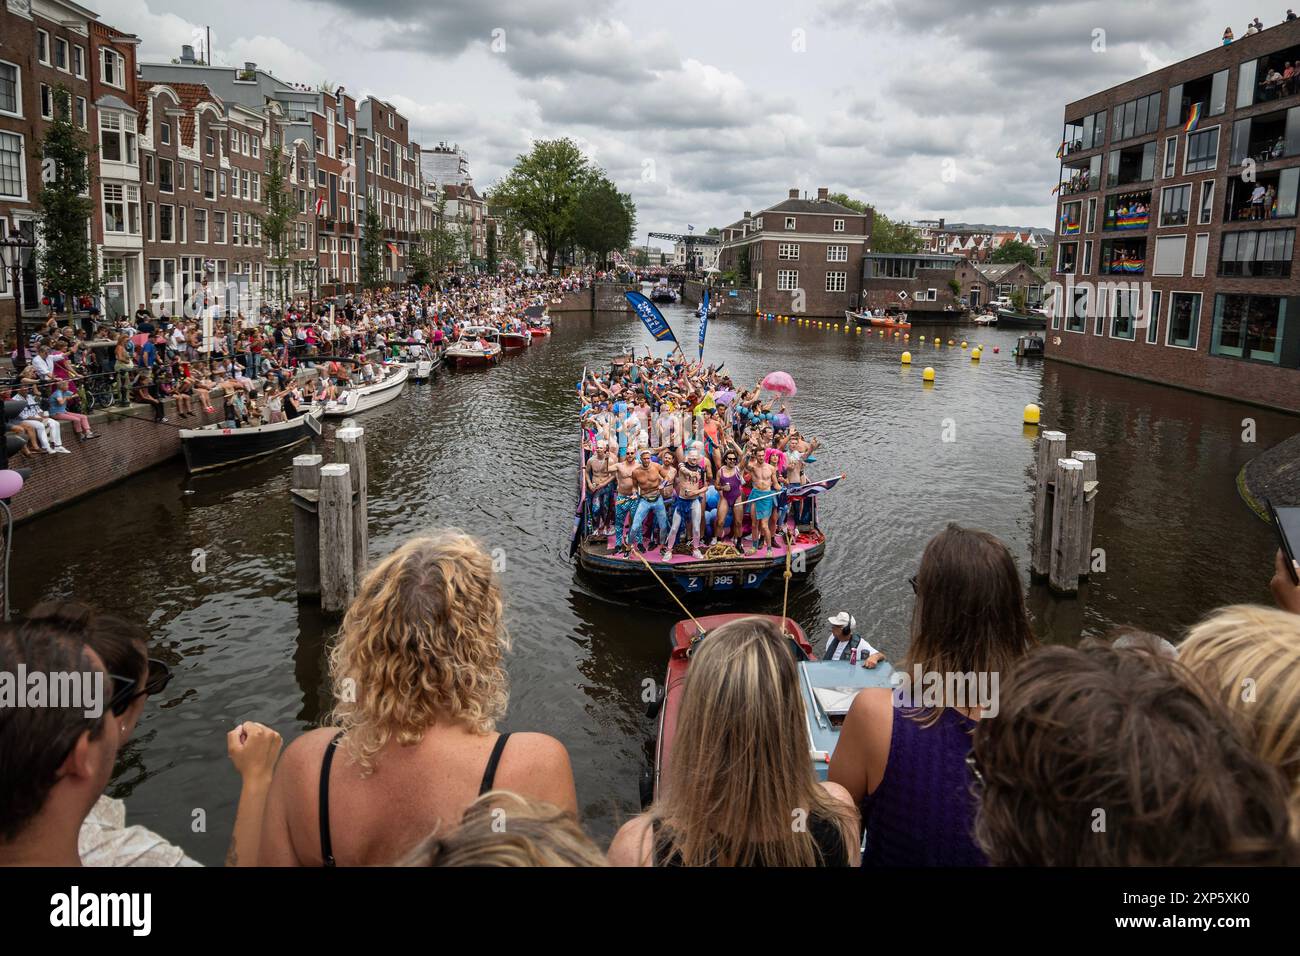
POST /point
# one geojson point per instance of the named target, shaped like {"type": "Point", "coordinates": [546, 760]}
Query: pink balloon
{"type": "Point", "coordinates": [779, 382]}
{"type": "Point", "coordinates": [10, 483]}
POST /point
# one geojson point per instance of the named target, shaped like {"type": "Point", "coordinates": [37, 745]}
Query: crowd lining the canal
{"type": "Point", "coordinates": [411, 768]}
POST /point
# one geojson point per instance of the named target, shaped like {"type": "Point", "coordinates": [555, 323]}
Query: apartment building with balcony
{"type": "Point", "coordinates": [802, 255]}
{"type": "Point", "coordinates": [1176, 216]}
{"type": "Point", "coordinates": [390, 180]}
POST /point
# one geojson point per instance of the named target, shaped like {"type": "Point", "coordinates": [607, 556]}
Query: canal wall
{"type": "Point", "coordinates": [733, 301]}
{"type": "Point", "coordinates": [1273, 476]}
{"type": "Point", "coordinates": [600, 297]}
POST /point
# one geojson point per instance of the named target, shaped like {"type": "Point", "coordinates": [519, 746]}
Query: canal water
{"type": "Point", "coordinates": [494, 452]}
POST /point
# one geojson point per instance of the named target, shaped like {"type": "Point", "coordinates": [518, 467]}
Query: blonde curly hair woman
{"type": "Point", "coordinates": [419, 683]}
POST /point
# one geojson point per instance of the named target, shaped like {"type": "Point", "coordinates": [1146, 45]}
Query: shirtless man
{"type": "Point", "coordinates": [765, 480]}
{"type": "Point", "coordinates": [625, 498]}
{"type": "Point", "coordinates": [649, 478]}
{"type": "Point", "coordinates": [600, 487]}
{"type": "Point", "coordinates": [688, 508]}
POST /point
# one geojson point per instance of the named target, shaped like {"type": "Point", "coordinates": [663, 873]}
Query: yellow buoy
{"type": "Point", "coordinates": [923, 338]}
{"type": "Point", "coordinates": [963, 344]}
{"type": "Point", "coordinates": [928, 374]}
{"type": "Point", "coordinates": [858, 330]}
{"type": "Point", "coordinates": [1032, 414]}
{"type": "Point", "coordinates": [907, 358]}
{"type": "Point", "coordinates": [974, 355]}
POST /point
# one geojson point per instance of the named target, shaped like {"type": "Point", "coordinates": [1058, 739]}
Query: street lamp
{"type": "Point", "coordinates": [17, 254]}
{"type": "Point", "coordinates": [313, 270]}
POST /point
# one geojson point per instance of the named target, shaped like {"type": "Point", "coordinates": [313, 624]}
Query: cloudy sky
{"type": "Point", "coordinates": [701, 110]}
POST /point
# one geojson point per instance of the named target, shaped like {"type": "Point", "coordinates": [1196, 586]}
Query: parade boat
{"type": "Point", "coordinates": [421, 359]}
{"type": "Point", "coordinates": [477, 346]}
{"type": "Point", "coordinates": [682, 639]}
{"type": "Point", "coordinates": [360, 398]}
{"type": "Point", "coordinates": [1010, 319]}
{"type": "Point", "coordinates": [215, 446]}
{"type": "Point", "coordinates": [515, 341]}
{"type": "Point", "coordinates": [539, 323]}
{"type": "Point", "coordinates": [663, 292]}
{"type": "Point", "coordinates": [877, 321]}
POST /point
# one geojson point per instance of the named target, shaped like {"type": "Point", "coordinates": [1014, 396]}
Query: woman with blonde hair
{"type": "Point", "coordinates": [1248, 657]}
{"type": "Point", "coordinates": [419, 683]}
{"type": "Point", "coordinates": [740, 789]}
{"type": "Point", "coordinates": [505, 829]}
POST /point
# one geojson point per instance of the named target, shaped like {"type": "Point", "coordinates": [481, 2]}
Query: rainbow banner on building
{"type": "Point", "coordinates": [1193, 118]}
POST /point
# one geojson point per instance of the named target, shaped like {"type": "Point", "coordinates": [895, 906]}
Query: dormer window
{"type": "Point", "coordinates": [789, 222]}
{"type": "Point", "coordinates": [837, 225]}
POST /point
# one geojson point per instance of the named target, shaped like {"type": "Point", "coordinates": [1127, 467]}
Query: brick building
{"type": "Point", "coordinates": [390, 179]}
{"type": "Point", "coordinates": [1176, 224]}
{"type": "Point", "coordinates": [800, 249]}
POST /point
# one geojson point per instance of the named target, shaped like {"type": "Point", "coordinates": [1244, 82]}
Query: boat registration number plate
{"type": "Point", "coordinates": [722, 581]}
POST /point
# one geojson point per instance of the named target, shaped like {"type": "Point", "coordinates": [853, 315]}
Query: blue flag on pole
{"type": "Point", "coordinates": [653, 319]}
{"type": "Point", "coordinates": [704, 321]}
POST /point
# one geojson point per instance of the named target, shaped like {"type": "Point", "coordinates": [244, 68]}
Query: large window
{"type": "Point", "coordinates": [111, 69]}
{"type": "Point", "coordinates": [200, 224]}
{"type": "Point", "coordinates": [11, 101]}
{"type": "Point", "coordinates": [165, 182]}
{"type": "Point", "coordinates": [1202, 150]}
{"type": "Point", "coordinates": [1123, 257]}
{"type": "Point", "coordinates": [1134, 164]}
{"type": "Point", "coordinates": [1190, 101]}
{"type": "Point", "coordinates": [1271, 195]}
{"type": "Point", "coordinates": [1257, 252]}
{"type": "Point", "coordinates": [836, 281]}
{"type": "Point", "coordinates": [787, 280]}
{"type": "Point", "coordinates": [1076, 319]}
{"type": "Point", "coordinates": [1070, 224]}
{"type": "Point", "coordinates": [1136, 117]}
{"type": "Point", "coordinates": [116, 142]}
{"type": "Point", "coordinates": [1271, 77]}
{"type": "Point", "coordinates": [1248, 326]}
{"type": "Point", "coordinates": [1066, 258]}
{"type": "Point", "coordinates": [12, 173]}
{"type": "Point", "coordinates": [1175, 201]}
{"type": "Point", "coordinates": [1128, 212]}
{"type": "Point", "coordinates": [1171, 252]}
{"type": "Point", "coordinates": [787, 250]}
{"type": "Point", "coordinates": [1266, 137]}
{"type": "Point", "coordinates": [837, 253]}
{"type": "Point", "coordinates": [1184, 319]}
{"type": "Point", "coordinates": [1127, 302]}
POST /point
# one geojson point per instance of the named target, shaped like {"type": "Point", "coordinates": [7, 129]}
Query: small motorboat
{"type": "Point", "coordinates": [988, 318]}
{"type": "Point", "coordinates": [539, 323]}
{"type": "Point", "coordinates": [665, 707]}
{"type": "Point", "coordinates": [877, 321]}
{"type": "Point", "coordinates": [421, 360]}
{"type": "Point", "coordinates": [1029, 346]}
{"type": "Point", "coordinates": [477, 345]}
{"type": "Point", "coordinates": [360, 398]}
{"type": "Point", "coordinates": [1008, 318]}
{"type": "Point", "coordinates": [515, 340]}
{"type": "Point", "coordinates": [215, 446]}
{"type": "Point", "coordinates": [828, 691]}
{"type": "Point", "coordinates": [663, 292]}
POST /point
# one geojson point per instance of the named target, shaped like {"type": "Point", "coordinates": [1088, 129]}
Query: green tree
{"type": "Point", "coordinates": [441, 239]}
{"type": "Point", "coordinates": [604, 218]}
{"type": "Point", "coordinates": [955, 286]}
{"type": "Point", "coordinates": [844, 200]}
{"type": "Point", "coordinates": [491, 247]}
{"type": "Point", "coordinates": [887, 235]}
{"type": "Point", "coordinates": [465, 239]}
{"type": "Point", "coordinates": [542, 190]}
{"type": "Point", "coordinates": [1015, 251]}
{"type": "Point", "coordinates": [65, 261]}
{"type": "Point", "coordinates": [278, 222]}
{"type": "Point", "coordinates": [372, 249]}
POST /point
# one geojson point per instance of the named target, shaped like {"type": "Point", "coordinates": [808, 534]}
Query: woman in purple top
{"type": "Point", "coordinates": [902, 752]}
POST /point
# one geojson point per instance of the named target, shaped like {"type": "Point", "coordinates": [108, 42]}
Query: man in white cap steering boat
{"type": "Point", "coordinates": [842, 643]}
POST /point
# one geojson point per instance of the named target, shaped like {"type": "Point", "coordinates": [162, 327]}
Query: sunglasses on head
{"type": "Point", "coordinates": [124, 688]}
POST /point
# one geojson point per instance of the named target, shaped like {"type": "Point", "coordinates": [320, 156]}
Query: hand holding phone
{"type": "Point", "coordinates": [1286, 592]}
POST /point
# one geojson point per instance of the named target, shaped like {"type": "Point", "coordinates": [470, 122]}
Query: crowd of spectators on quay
{"type": "Point", "coordinates": [1189, 768]}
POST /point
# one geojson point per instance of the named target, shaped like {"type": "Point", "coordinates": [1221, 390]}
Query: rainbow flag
{"type": "Point", "coordinates": [1056, 189]}
{"type": "Point", "coordinates": [1193, 118]}
{"type": "Point", "coordinates": [391, 248]}
{"type": "Point", "coordinates": [1060, 150]}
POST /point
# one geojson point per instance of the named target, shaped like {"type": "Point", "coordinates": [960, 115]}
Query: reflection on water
{"type": "Point", "coordinates": [493, 452]}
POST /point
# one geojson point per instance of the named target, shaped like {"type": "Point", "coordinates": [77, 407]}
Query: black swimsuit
{"type": "Point", "coordinates": [326, 846]}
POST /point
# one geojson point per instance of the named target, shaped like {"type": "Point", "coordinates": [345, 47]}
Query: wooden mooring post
{"type": "Point", "coordinates": [330, 522]}
{"type": "Point", "coordinates": [1065, 492]}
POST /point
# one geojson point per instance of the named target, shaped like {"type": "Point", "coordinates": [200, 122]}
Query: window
{"type": "Point", "coordinates": [47, 102]}
{"type": "Point", "coordinates": [837, 253]}
{"type": "Point", "coordinates": [787, 250]}
{"type": "Point", "coordinates": [1086, 268]}
{"type": "Point", "coordinates": [62, 58]}
{"type": "Point", "coordinates": [12, 166]}
{"type": "Point", "coordinates": [165, 134]}
{"type": "Point", "coordinates": [81, 119]}
{"type": "Point", "coordinates": [221, 179]}
{"type": "Point", "coordinates": [43, 47]}
{"type": "Point", "coordinates": [166, 223]}
{"type": "Point", "coordinates": [1133, 164]}
{"type": "Point", "coordinates": [257, 186]}
{"type": "Point", "coordinates": [1153, 317]}
{"type": "Point", "coordinates": [1174, 204]}
{"type": "Point", "coordinates": [11, 99]}
{"type": "Point", "coordinates": [1076, 310]}
{"type": "Point", "coordinates": [1202, 151]}
{"type": "Point", "coordinates": [165, 183]}
{"type": "Point", "coordinates": [79, 61]}
{"type": "Point", "coordinates": [148, 168]}
{"type": "Point", "coordinates": [787, 280]}
{"type": "Point", "coordinates": [200, 225]}
{"type": "Point", "coordinates": [837, 281]}
{"type": "Point", "coordinates": [148, 212]}
{"type": "Point", "coordinates": [110, 67]}
{"type": "Point", "coordinates": [209, 145]}
{"type": "Point", "coordinates": [789, 222]}
{"type": "Point", "coordinates": [1201, 254]}
{"type": "Point", "coordinates": [1206, 212]}
{"type": "Point", "coordinates": [1137, 117]}
{"type": "Point", "coordinates": [1248, 327]}
{"type": "Point", "coordinates": [116, 140]}
{"type": "Point", "coordinates": [181, 231]}
{"type": "Point", "coordinates": [1123, 257]}
{"type": "Point", "coordinates": [320, 145]}
{"type": "Point", "coordinates": [837, 225]}
{"type": "Point", "coordinates": [256, 148]}
{"type": "Point", "coordinates": [1171, 251]}
{"type": "Point", "coordinates": [234, 229]}
{"type": "Point", "coordinates": [1128, 212]}
{"type": "Point", "coordinates": [218, 226]}
{"type": "Point", "coordinates": [1127, 305]}
{"type": "Point", "coordinates": [1171, 157]}
{"type": "Point", "coordinates": [180, 175]}
{"type": "Point", "coordinates": [1092, 215]}
{"type": "Point", "coordinates": [1257, 252]}
{"type": "Point", "coordinates": [1070, 225]}
{"type": "Point", "coordinates": [1184, 319]}
{"type": "Point", "coordinates": [1065, 262]}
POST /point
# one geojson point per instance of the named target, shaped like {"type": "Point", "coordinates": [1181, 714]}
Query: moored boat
{"type": "Point", "coordinates": [1030, 346]}
{"type": "Point", "coordinates": [1010, 319]}
{"type": "Point", "coordinates": [359, 398]}
{"type": "Point", "coordinates": [422, 360]}
{"type": "Point", "coordinates": [476, 346]}
{"type": "Point", "coordinates": [214, 446]}
{"type": "Point", "coordinates": [515, 341]}
{"type": "Point", "coordinates": [877, 321]}
{"type": "Point", "coordinates": [828, 689]}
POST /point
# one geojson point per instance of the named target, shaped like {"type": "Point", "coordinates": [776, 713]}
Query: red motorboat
{"type": "Point", "coordinates": [683, 637]}
{"type": "Point", "coordinates": [538, 332]}
{"type": "Point", "coordinates": [515, 341]}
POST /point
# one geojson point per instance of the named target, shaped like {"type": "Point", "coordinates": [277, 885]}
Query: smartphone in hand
{"type": "Point", "coordinates": [1286, 523]}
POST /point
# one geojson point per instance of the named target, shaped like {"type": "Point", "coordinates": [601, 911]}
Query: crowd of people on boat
{"type": "Point", "coordinates": [674, 451]}
{"type": "Point", "coordinates": [1123, 750]}
{"type": "Point", "coordinates": [248, 367]}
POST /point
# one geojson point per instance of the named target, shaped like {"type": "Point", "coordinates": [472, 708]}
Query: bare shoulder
{"type": "Point", "coordinates": [839, 793]}
{"type": "Point", "coordinates": [871, 708]}
{"type": "Point", "coordinates": [535, 750]}
{"type": "Point", "coordinates": [632, 845]}
{"type": "Point", "coordinates": [305, 752]}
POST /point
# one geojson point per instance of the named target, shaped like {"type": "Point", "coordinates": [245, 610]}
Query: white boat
{"type": "Point", "coordinates": [477, 345]}
{"type": "Point", "coordinates": [421, 359]}
{"type": "Point", "coordinates": [354, 399]}
{"type": "Point", "coordinates": [215, 446]}
{"type": "Point", "coordinates": [986, 319]}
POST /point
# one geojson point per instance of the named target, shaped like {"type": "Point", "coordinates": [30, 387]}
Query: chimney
{"type": "Point", "coordinates": [822, 192]}
{"type": "Point", "coordinates": [187, 54]}
{"type": "Point", "coordinates": [941, 222]}
{"type": "Point", "coordinates": [747, 213]}
{"type": "Point", "coordinates": [794, 193]}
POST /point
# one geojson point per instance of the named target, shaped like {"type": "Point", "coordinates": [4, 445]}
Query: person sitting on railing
{"type": "Point", "coordinates": [60, 398]}
{"type": "Point", "coordinates": [49, 434]}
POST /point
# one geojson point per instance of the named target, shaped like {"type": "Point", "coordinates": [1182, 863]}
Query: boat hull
{"type": "Point", "coordinates": [474, 359]}
{"type": "Point", "coordinates": [873, 321]}
{"type": "Point", "coordinates": [1020, 320]}
{"type": "Point", "coordinates": [515, 341]}
{"type": "Point", "coordinates": [206, 449]}
{"type": "Point", "coordinates": [369, 396]}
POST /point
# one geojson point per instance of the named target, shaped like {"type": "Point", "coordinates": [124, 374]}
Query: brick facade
{"type": "Point", "coordinates": [1194, 319]}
